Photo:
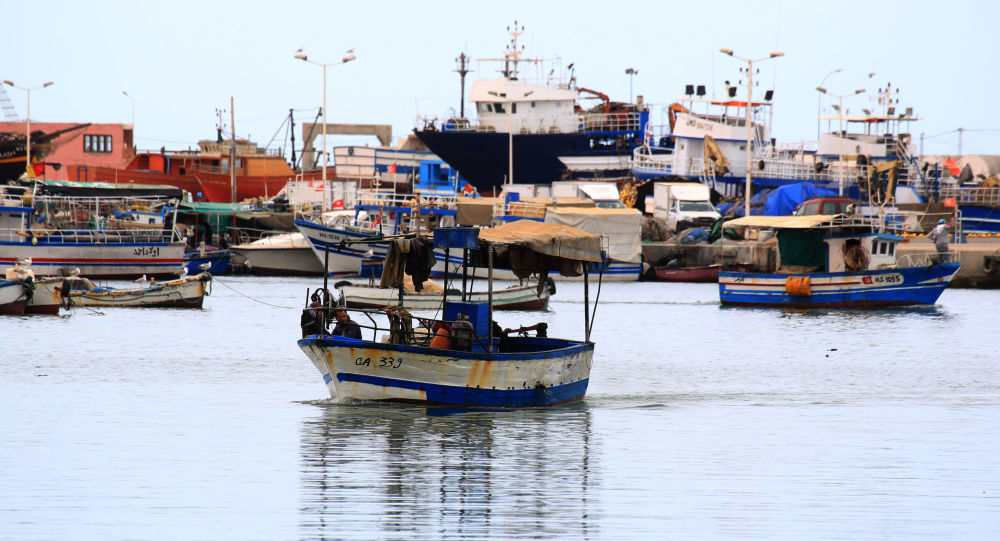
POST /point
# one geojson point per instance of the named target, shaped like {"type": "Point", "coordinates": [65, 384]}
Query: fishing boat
{"type": "Point", "coordinates": [280, 254]}
{"type": "Point", "coordinates": [519, 296]}
{"type": "Point", "coordinates": [467, 361]}
{"type": "Point", "coordinates": [184, 292]}
{"type": "Point", "coordinates": [42, 293]}
{"type": "Point", "coordinates": [835, 261]}
{"type": "Point", "coordinates": [105, 231]}
{"type": "Point", "coordinates": [703, 273]}
{"type": "Point", "coordinates": [340, 240]}
{"type": "Point", "coordinates": [539, 126]}
{"type": "Point", "coordinates": [13, 296]}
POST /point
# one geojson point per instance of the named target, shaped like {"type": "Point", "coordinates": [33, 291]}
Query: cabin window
{"type": "Point", "coordinates": [513, 108]}
{"type": "Point", "coordinates": [830, 207]}
{"type": "Point", "coordinates": [97, 143]}
{"type": "Point", "coordinates": [532, 105]}
{"type": "Point", "coordinates": [498, 108]}
{"type": "Point", "coordinates": [892, 249]}
{"type": "Point", "coordinates": [484, 107]}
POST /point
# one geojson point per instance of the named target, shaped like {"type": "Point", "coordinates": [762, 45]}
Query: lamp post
{"type": "Point", "coordinates": [343, 60]}
{"type": "Point", "coordinates": [631, 72]}
{"type": "Point", "coordinates": [28, 118]}
{"type": "Point", "coordinates": [819, 99]}
{"type": "Point", "coordinates": [840, 136]}
{"type": "Point", "coordinates": [775, 54]}
{"type": "Point", "coordinates": [133, 107]}
{"type": "Point", "coordinates": [510, 129]}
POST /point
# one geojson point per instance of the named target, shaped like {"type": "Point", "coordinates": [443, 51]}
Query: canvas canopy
{"type": "Point", "coordinates": [475, 210]}
{"type": "Point", "coordinates": [783, 222]}
{"type": "Point", "coordinates": [622, 227]}
{"type": "Point", "coordinates": [547, 239]}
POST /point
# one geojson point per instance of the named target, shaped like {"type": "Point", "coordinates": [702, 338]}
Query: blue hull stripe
{"type": "Point", "coordinates": [473, 396]}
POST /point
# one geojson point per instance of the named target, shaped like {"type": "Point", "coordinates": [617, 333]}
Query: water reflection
{"type": "Point", "coordinates": [397, 472]}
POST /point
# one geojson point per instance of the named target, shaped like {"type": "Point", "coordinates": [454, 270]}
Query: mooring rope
{"type": "Point", "coordinates": [216, 279]}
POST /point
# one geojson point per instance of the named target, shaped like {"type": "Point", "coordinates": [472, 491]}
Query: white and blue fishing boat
{"type": "Point", "coordinates": [464, 359]}
{"type": "Point", "coordinates": [834, 261]}
{"type": "Point", "coordinates": [103, 231]}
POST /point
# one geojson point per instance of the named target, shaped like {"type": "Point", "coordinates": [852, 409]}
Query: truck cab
{"type": "Point", "coordinates": [825, 206]}
{"type": "Point", "coordinates": [684, 204]}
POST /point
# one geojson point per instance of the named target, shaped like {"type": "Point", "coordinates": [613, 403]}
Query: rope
{"type": "Point", "coordinates": [216, 279]}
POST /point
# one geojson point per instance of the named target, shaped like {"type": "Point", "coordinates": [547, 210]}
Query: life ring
{"type": "Point", "coordinates": [856, 258]}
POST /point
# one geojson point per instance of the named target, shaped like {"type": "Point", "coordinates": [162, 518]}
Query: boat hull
{"type": "Point", "coordinates": [706, 274]}
{"type": "Point", "coordinates": [512, 298]}
{"type": "Point", "coordinates": [547, 372]}
{"type": "Point", "coordinates": [868, 289]}
{"type": "Point", "coordinates": [215, 262]}
{"type": "Point", "coordinates": [288, 254]}
{"type": "Point", "coordinates": [188, 292]}
{"type": "Point", "coordinates": [112, 261]}
{"type": "Point", "coordinates": [13, 297]}
{"type": "Point", "coordinates": [45, 297]}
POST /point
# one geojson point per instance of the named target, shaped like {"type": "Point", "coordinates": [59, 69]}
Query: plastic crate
{"type": "Point", "coordinates": [456, 237]}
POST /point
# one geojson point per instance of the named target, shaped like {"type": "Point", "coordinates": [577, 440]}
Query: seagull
{"type": "Point", "coordinates": [140, 280]}
{"type": "Point", "coordinates": [300, 50]}
{"type": "Point", "coordinates": [369, 253]}
{"type": "Point", "coordinates": [204, 266]}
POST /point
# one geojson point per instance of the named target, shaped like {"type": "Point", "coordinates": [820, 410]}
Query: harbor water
{"type": "Point", "coordinates": [700, 422]}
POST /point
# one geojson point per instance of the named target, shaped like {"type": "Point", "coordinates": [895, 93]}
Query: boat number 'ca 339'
{"type": "Point", "coordinates": [384, 362]}
{"type": "Point", "coordinates": [883, 279]}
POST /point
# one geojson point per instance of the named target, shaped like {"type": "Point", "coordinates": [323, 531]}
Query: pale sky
{"type": "Point", "coordinates": [182, 60]}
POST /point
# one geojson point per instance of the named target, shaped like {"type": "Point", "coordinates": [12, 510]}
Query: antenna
{"type": "Point", "coordinates": [463, 69]}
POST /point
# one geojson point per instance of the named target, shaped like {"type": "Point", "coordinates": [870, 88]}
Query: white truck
{"type": "Point", "coordinates": [683, 205]}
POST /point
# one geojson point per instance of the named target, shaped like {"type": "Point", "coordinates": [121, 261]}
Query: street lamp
{"type": "Point", "coordinates": [819, 99]}
{"type": "Point", "coordinates": [28, 121]}
{"type": "Point", "coordinates": [750, 63]}
{"type": "Point", "coordinates": [510, 129]}
{"type": "Point", "coordinates": [631, 72]}
{"type": "Point", "coordinates": [133, 107]}
{"type": "Point", "coordinates": [840, 136]}
{"type": "Point", "coordinates": [343, 60]}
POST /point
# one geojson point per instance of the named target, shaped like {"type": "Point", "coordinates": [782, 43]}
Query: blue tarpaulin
{"type": "Point", "coordinates": [783, 200]}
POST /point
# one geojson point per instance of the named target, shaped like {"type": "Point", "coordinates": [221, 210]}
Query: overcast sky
{"type": "Point", "coordinates": [181, 61]}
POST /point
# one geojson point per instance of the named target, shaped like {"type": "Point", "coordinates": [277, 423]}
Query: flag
{"type": "Point", "coordinates": [392, 169]}
{"type": "Point", "coordinates": [949, 202]}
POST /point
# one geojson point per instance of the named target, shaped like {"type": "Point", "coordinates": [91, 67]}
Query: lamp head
{"type": "Point", "coordinates": [50, 83]}
{"type": "Point", "coordinates": [821, 89]}
{"type": "Point", "coordinates": [776, 54]}
{"type": "Point", "coordinates": [301, 56]}
{"type": "Point", "coordinates": [348, 58]}
{"type": "Point", "coordinates": [726, 51]}
{"type": "Point", "coordinates": [859, 91]}
{"type": "Point", "coordinates": [7, 82]}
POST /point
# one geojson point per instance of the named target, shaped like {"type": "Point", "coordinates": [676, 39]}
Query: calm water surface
{"type": "Point", "coordinates": [701, 422]}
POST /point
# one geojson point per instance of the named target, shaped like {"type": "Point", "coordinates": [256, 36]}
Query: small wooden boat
{"type": "Point", "coordinates": [833, 261]}
{"type": "Point", "coordinates": [465, 360]}
{"type": "Point", "coordinates": [709, 273]}
{"type": "Point", "coordinates": [185, 292]}
{"type": "Point", "coordinates": [13, 296]}
{"type": "Point", "coordinates": [515, 297]}
{"type": "Point", "coordinates": [42, 295]}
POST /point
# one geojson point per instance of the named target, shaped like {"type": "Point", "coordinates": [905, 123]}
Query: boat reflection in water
{"type": "Point", "coordinates": [392, 471]}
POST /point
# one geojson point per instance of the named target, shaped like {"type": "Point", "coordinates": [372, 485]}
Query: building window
{"type": "Point", "coordinates": [97, 143]}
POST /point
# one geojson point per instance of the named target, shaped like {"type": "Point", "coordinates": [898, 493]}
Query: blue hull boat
{"type": "Point", "coordinates": [834, 261]}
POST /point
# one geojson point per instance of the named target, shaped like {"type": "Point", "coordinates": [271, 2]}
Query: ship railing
{"type": "Point", "coordinates": [653, 160]}
{"type": "Point", "coordinates": [425, 199]}
{"type": "Point", "coordinates": [624, 121]}
{"type": "Point", "coordinates": [975, 195]}
{"type": "Point", "coordinates": [88, 236]}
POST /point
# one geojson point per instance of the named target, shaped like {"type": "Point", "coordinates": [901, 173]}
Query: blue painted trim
{"type": "Point", "coordinates": [475, 396]}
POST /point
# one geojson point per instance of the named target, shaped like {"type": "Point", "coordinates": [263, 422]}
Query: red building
{"type": "Point", "coordinates": [63, 144]}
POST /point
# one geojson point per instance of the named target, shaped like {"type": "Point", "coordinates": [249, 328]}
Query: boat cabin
{"type": "Point", "coordinates": [822, 243]}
